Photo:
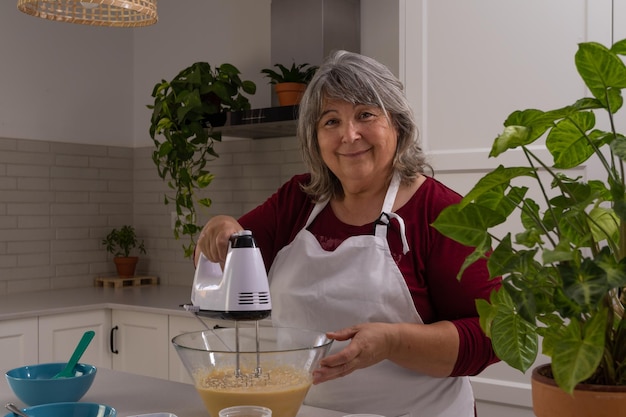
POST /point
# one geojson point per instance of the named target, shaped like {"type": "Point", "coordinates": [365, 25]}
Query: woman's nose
{"type": "Point", "coordinates": [350, 132]}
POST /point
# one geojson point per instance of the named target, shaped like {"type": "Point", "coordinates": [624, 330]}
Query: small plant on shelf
{"type": "Point", "coordinates": [120, 243]}
{"type": "Point", "coordinates": [302, 73]}
{"type": "Point", "coordinates": [290, 83]}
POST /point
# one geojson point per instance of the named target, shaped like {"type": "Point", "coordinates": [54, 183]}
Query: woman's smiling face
{"type": "Point", "coordinates": [357, 142]}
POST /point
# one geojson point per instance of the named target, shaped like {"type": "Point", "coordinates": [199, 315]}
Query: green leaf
{"type": "Point", "coordinates": [500, 178]}
{"type": "Point", "coordinates": [618, 193]}
{"type": "Point", "coordinates": [505, 260]}
{"type": "Point", "coordinates": [479, 253]}
{"type": "Point", "coordinates": [615, 271]}
{"type": "Point", "coordinates": [206, 202]}
{"type": "Point", "coordinates": [585, 285]}
{"type": "Point", "coordinates": [487, 313]}
{"type": "Point", "coordinates": [521, 128]}
{"type": "Point", "coordinates": [603, 72]}
{"type": "Point", "coordinates": [619, 47]}
{"type": "Point", "coordinates": [604, 224]}
{"type": "Point", "coordinates": [467, 225]}
{"type": "Point", "coordinates": [511, 138]}
{"type": "Point", "coordinates": [515, 341]}
{"type": "Point", "coordinates": [530, 214]}
{"type": "Point", "coordinates": [618, 147]}
{"type": "Point", "coordinates": [204, 180]}
{"type": "Point", "coordinates": [561, 253]}
{"type": "Point", "coordinates": [567, 141]}
{"type": "Point", "coordinates": [578, 351]}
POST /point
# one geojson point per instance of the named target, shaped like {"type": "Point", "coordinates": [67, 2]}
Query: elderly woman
{"type": "Point", "coordinates": [351, 252]}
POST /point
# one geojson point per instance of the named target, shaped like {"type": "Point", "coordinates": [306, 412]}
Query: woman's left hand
{"type": "Point", "coordinates": [430, 349]}
{"type": "Point", "coordinates": [370, 344]}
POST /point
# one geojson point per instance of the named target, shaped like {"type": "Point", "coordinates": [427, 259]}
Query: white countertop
{"type": "Point", "coordinates": [149, 298]}
{"type": "Point", "coordinates": [132, 394]}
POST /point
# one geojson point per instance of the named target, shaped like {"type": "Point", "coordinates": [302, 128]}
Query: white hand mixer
{"type": "Point", "coordinates": [240, 292]}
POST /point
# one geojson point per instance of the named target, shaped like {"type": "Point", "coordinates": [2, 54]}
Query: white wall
{"type": "Point", "coordinates": [84, 84]}
{"type": "Point", "coordinates": [64, 82]}
{"type": "Point", "coordinates": [380, 32]}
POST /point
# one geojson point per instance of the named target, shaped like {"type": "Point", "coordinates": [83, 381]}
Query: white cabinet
{"type": "Point", "coordinates": [19, 342]}
{"type": "Point", "coordinates": [126, 340]}
{"type": "Point", "coordinates": [140, 343]}
{"type": "Point", "coordinates": [60, 333]}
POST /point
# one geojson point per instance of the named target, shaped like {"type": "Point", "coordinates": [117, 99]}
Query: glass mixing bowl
{"type": "Point", "coordinates": [277, 375]}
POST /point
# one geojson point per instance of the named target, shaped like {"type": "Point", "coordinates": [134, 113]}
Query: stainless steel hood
{"type": "Point", "coordinates": [302, 31]}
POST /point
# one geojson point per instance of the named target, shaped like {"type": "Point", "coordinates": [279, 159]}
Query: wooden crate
{"type": "Point", "coordinates": [118, 282]}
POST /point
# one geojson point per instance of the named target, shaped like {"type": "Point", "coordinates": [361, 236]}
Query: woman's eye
{"type": "Point", "coordinates": [366, 115]}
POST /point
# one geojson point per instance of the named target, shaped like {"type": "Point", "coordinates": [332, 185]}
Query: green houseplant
{"type": "Point", "coordinates": [564, 273]}
{"type": "Point", "coordinates": [290, 83]}
{"type": "Point", "coordinates": [183, 112]}
{"type": "Point", "coordinates": [301, 73]}
{"type": "Point", "coordinates": [120, 243]}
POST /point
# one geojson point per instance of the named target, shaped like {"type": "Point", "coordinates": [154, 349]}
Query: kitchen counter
{"type": "Point", "coordinates": [162, 299]}
{"type": "Point", "coordinates": [132, 394]}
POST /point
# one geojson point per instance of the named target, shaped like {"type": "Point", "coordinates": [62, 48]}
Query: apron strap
{"type": "Point", "coordinates": [381, 227]}
{"type": "Point", "coordinates": [387, 214]}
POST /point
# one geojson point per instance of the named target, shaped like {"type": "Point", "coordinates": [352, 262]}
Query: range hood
{"type": "Point", "coordinates": [302, 31]}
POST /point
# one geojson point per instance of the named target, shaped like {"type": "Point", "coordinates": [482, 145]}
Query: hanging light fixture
{"type": "Point", "coordinates": [119, 13]}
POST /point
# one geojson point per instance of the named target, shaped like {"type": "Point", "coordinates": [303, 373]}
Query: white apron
{"type": "Point", "coordinates": [359, 282]}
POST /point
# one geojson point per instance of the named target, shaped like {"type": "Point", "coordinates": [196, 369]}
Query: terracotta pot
{"type": "Point", "coordinates": [289, 94]}
{"type": "Point", "coordinates": [125, 266]}
{"type": "Point", "coordinates": [588, 400]}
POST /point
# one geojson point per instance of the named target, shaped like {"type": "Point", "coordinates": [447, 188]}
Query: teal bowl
{"type": "Point", "coordinates": [33, 384]}
{"type": "Point", "coordinates": [69, 409]}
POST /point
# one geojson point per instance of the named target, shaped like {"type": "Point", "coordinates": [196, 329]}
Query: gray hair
{"type": "Point", "coordinates": [356, 79]}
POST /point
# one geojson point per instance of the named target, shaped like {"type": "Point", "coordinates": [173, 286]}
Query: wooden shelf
{"type": "Point", "coordinates": [270, 122]}
{"type": "Point", "coordinates": [118, 282]}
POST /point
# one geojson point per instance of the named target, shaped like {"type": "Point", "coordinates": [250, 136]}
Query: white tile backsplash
{"type": "Point", "coordinates": [58, 200]}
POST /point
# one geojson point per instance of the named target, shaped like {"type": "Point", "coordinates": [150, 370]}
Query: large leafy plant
{"type": "Point", "coordinates": [565, 271]}
{"type": "Point", "coordinates": [183, 113]}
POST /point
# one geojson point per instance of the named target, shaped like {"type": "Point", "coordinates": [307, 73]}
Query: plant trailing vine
{"type": "Point", "coordinates": [183, 113]}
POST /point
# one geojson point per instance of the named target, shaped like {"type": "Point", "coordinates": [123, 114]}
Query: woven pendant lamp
{"type": "Point", "coordinates": [118, 13]}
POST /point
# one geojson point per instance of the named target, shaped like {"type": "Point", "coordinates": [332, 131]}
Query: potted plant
{"type": "Point", "coordinates": [183, 113]}
{"type": "Point", "coordinates": [290, 83]}
{"type": "Point", "coordinates": [120, 243]}
{"type": "Point", "coordinates": [564, 273]}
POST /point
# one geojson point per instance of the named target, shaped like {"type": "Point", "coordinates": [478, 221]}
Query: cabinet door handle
{"type": "Point", "coordinates": [112, 340]}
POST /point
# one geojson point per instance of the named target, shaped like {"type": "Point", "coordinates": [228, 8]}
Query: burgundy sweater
{"type": "Point", "coordinates": [429, 268]}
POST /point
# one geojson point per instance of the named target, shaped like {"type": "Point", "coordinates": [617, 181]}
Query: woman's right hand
{"type": "Point", "coordinates": [213, 240]}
